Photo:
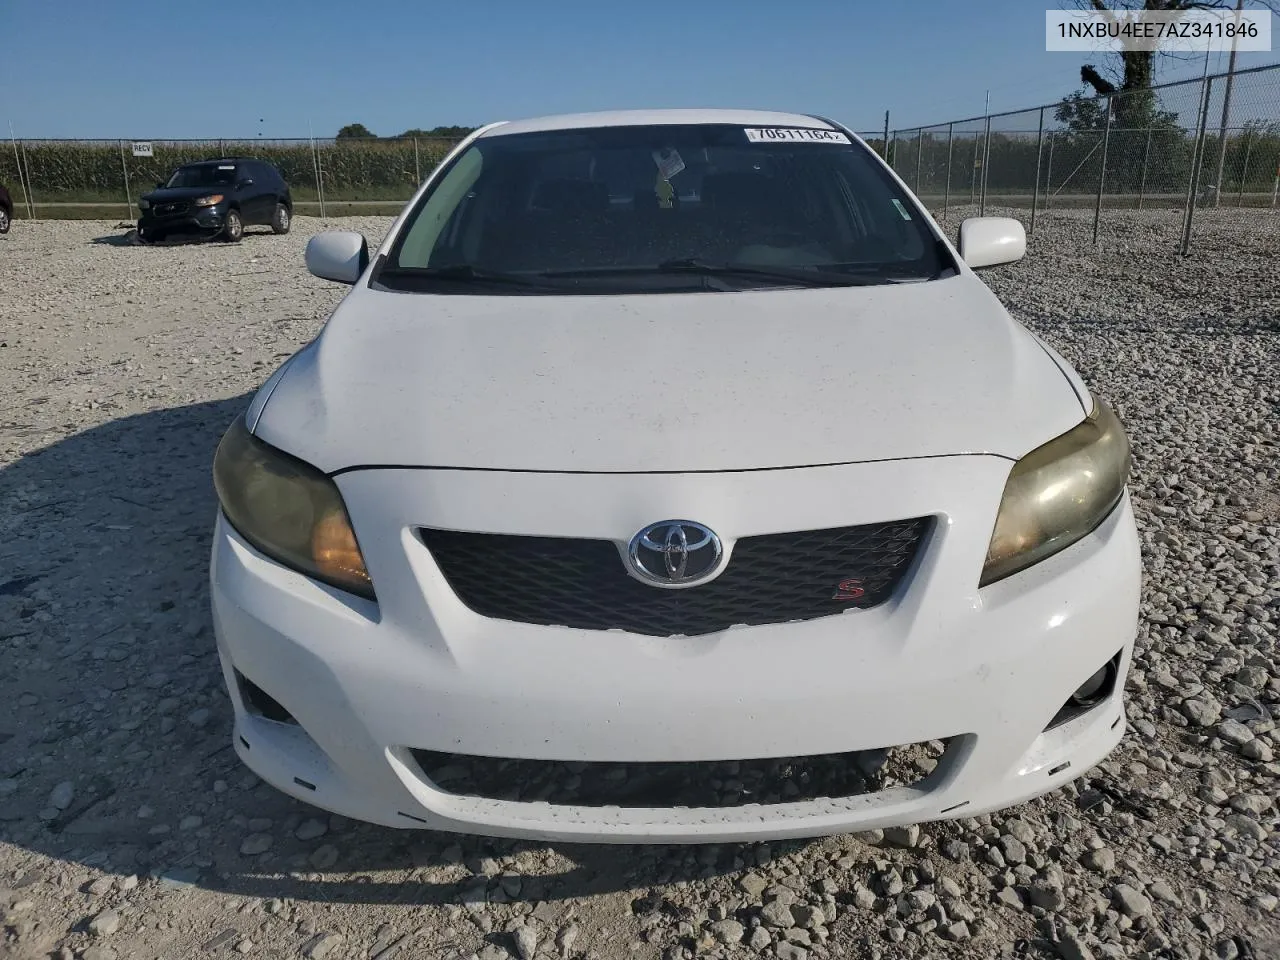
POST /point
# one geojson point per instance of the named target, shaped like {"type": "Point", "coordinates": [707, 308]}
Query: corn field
{"type": "Point", "coordinates": [106, 176]}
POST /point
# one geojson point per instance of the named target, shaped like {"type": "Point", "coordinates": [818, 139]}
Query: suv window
{"type": "Point", "coordinates": [204, 175]}
{"type": "Point", "coordinates": [642, 208]}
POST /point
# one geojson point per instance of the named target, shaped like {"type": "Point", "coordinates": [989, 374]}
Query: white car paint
{"type": "Point", "coordinates": [755, 413]}
{"type": "Point", "coordinates": [676, 382]}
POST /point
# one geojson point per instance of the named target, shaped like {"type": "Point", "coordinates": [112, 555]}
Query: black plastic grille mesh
{"type": "Point", "coordinates": [582, 583]}
{"type": "Point", "coordinates": [719, 783]}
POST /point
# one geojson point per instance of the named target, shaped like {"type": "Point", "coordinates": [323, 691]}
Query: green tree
{"type": "Point", "coordinates": [354, 130]}
{"type": "Point", "coordinates": [1137, 66]}
{"type": "Point", "coordinates": [439, 133]}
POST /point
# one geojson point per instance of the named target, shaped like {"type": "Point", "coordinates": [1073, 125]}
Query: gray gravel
{"type": "Point", "coordinates": [129, 829]}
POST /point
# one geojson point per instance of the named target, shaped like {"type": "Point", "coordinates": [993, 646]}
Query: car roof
{"type": "Point", "coordinates": [630, 118]}
{"type": "Point", "coordinates": [205, 163]}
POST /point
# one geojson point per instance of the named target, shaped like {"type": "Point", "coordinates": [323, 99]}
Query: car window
{"type": "Point", "coordinates": [204, 175]}
{"type": "Point", "coordinates": [630, 200]}
{"type": "Point", "coordinates": [427, 235]}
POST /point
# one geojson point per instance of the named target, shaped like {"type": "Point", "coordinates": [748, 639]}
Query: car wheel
{"type": "Point", "coordinates": [281, 219]}
{"type": "Point", "coordinates": [232, 227]}
{"type": "Point", "coordinates": [4, 220]}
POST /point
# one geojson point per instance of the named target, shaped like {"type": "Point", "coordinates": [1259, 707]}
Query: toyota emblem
{"type": "Point", "coordinates": [675, 553]}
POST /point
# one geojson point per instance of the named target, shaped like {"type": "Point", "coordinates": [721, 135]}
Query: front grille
{"type": "Point", "coordinates": [719, 784]}
{"type": "Point", "coordinates": [775, 578]}
{"type": "Point", "coordinates": [170, 209]}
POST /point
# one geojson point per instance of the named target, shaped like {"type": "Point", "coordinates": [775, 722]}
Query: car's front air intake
{"type": "Point", "coordinates": [776, 578]}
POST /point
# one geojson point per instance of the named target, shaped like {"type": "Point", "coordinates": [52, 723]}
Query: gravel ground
{"type": "Point", "coordinates": [129, 829]}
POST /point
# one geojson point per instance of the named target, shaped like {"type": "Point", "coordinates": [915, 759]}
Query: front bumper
{"type": "Point", "coordinates": [368, 683]}
{"type": "Point", "coordinates": [197, 220]}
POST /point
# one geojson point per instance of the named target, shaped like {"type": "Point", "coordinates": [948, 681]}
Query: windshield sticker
{"type": "Point", "coordinates": [901, 209]}
{"type": "Point", "coordinates": [669, 162]}
{"type": "Point", "coordinates": [793, 135]}
{"type": "Point", "coordinates": [665, 192]}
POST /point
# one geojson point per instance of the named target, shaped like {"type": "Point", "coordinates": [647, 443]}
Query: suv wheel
{"type": "Point", "coordinates": [4, 220]}
{"type": "Point", "coordinates": [232, 227]}
{"type": "Point", "coordinates": [281, 220]}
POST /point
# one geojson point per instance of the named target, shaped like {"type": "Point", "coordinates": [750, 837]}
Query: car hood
{"type": "Point", "coordinates": [667, 382]}
{"type": "Point", "coordinates": [165, 194]}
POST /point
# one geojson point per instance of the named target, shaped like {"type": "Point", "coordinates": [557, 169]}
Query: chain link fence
{"type": "Point", "coordinates": [104, 178]}
{"type": "Point", "coordinates": [1130, 170]}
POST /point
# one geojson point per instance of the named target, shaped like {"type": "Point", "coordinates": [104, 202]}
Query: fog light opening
{"type": "Point", "coordinates": [1094, 692]}
{"type": "Point", "coordinates": [259, 703]}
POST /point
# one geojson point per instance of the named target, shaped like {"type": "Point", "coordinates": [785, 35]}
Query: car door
{"type": "Point", "coordinates": [279, 186]}
{"type": "Point", "coordinates": [255, 194]}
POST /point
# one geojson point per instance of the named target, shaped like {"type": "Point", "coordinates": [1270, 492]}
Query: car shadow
{"type": "Point", "coordinates": [115, 753]}
{"type": "Point", "coordinates": [130, 239]}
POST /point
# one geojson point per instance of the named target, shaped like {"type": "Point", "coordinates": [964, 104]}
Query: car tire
{"type": "Point", "coordinates": [232, 227]}
{"type": "Point", "coordinates": [281, 219]}
{"type": "Point", "coordinates": [5, 220]}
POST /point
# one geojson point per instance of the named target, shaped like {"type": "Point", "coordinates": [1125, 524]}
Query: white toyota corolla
{"type": "Point", "coordinates": [670, 476]}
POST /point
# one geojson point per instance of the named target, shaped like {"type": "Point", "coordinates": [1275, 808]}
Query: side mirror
{"type": "Point", "coordinates": [338, 255]}
{"type": "Point", "coordinates": [159, 184]}
{"type": "Point", "coordinates": [987, 241]}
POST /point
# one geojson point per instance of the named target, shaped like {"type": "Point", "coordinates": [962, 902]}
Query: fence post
{"type": "Point", "coordinates": [1226, 112]}
{"type": "Point", "coordinates": [1248, 149]}
{"type": "Point", "coordinates": [417, 170]}
{"type": "Point", "coordinates": [22, 177]}
{"type": "Point", "coordinates": [320, 181]}
{"type": "Point", "coordinates": [986, 160]}
{"type": "Point", "coordinates": [315, 166]}
{"type": "Point", "coordinates": [1102, 172]}
{"type": "Point", "coordinates": [919, 155]}
{"type": "Point", "coordinates": [1197, 155]}
{"type": "Point", "coordinates": [1048, 172]}
{"type": "Point", "coordinates": [124, 166]}
{"type": "Point", "coordinates": [946, 196]}
{"type": "Point", "coordinates": [1035, 189]}
{"type": "Point", "coordinates": [885, 146]}
{"type": "Point", "coordinates": [31, 189]}
{"type": "Point", "coordinates": [973, 173]}
{"type": "Point", "coordinates": [1142, 180]}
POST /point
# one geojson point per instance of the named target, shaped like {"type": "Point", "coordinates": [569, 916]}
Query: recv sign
{"type": "Point", "coordinates": [142, 149]}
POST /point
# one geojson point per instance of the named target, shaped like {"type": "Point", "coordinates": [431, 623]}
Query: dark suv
{"type": "Point", "coordinates": [6, 209]}
{"type": "Point", "coordinates": [217, 198]}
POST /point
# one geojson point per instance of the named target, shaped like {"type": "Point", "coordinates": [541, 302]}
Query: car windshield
{"type": "Point", "coordinates": [657, 208]}
{"type": "Point", "coordinates": [204, 175]}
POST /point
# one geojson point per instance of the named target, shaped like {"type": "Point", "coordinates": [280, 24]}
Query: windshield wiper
{"type": "Point", "coordinates": [805, 275]}
{"type": "Point", "coordinates": [460, 272]}
{"type": "Point", "coordinates": [692, 265]}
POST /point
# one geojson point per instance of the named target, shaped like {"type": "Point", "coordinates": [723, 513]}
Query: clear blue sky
{"type": "Point", "coordinates": [150, 70]}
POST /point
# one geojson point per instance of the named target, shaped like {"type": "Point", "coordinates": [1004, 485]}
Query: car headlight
{"type": "Point", "coordinates": [288, 510]}
{"type": "Point", "coordinates": [144, 204]}
{"type": "Point", "coordinates": [1059, 493]}
{"type": "Point", "coordinates": [209, 201]}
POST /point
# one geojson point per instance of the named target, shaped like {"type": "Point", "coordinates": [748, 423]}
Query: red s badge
{"type": "Point", "coordinates": [849, 590]}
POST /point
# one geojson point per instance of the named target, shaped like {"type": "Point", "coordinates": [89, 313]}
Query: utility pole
{"type": "Point", "coordinates": [1226, 113]}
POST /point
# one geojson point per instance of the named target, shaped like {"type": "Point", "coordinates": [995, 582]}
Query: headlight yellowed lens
{"type": "Point", "coordinates": [1058, 494]}
{"type": "Point", "coordinates": [209, 201]}
{"type": "Point", "coordinates": [288, 510]}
